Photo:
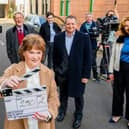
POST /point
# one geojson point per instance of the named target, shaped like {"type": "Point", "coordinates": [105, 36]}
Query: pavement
{"type": "Point", "coordinates": [98, 100]}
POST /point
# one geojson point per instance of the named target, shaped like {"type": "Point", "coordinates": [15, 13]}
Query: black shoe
{"type": "Point", "coordinates": [97, 79]}
{"type": "Point", "coordinates": [60, 116]}
{"type": "Point", "coordinates": [76, 123]}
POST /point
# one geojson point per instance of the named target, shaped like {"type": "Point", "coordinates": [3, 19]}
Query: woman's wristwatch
{"type": "Point", "coordinates": [49, 118]}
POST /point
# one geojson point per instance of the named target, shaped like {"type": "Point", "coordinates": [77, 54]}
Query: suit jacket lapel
{"type": "Point", "coordinates": [64, 46]}
{"type": "Point", "coordinates": [15, 38]}
{"type": "Point", "coordinates": [25, 30]}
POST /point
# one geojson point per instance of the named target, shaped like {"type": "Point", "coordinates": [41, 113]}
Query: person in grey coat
{"type": "Point", "coordinates": [15, 35]}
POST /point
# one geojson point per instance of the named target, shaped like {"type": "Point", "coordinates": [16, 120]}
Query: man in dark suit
{"type": "Point", "coordinates": [15, 35]}
{"type": "Point", "coordinates": [48, 31]}
{"type": "Point", "coordinates": [72, 66]}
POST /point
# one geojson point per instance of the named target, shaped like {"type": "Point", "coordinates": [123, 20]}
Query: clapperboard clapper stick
{"type": "Point", "coordinates": [8, 91]}
{"type": "Point", "coordinates": [29, 74]}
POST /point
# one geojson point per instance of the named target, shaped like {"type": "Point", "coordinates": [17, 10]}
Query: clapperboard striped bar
{"type": "Point", "coordinates": [29, 74]}
{"type": "Point", "coordinates": [26, 90]}
{"type": "Point", "coordinates": [25, 102]}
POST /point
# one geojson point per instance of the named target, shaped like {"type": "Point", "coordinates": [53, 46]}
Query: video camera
{"type": "Point", "coordinates": [107, 24]}
{"type": "Point", "coordinates": [111, 24]}
{"type": "Point", "coordinates": [94, 31]}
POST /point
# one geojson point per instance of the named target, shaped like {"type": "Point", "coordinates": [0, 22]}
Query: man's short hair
{"type": "Point", "coordinates": [70, 17]}
{"type": "Point", "coordinates": [109, 12]}
{"type": "Point", "coordinates": [89, 13]}
{"type": "Point", "coordinates": [49, 13]}
{"type": "Point", "coordinates": [17, 12]}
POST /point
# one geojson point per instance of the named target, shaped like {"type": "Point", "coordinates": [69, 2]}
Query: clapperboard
{"type": "Point", "coordinates": [23, 103]}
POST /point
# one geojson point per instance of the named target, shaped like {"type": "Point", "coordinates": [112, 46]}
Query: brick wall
{"type": "Point", "coordinates": [100, 7]}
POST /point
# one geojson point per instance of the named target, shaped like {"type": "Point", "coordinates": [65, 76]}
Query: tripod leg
{"type": "Point", "coordinates": [105, 60]}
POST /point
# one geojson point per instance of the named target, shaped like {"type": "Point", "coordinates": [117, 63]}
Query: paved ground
{"type": "Point", "coordinates": [97, 109]}
{"type": "Point", "coordinates": [98, 97]}
{"type": "Point", "coordinates": [4, 62]}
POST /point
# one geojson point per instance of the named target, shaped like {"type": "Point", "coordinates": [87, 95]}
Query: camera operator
{"type": "Point", "coordinates": [109, 25]}
{"type": "Point", "coordinates": [90, 27]}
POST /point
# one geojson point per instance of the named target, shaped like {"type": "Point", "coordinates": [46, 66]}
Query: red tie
{"type": "Point", "coordinates": [20, 35]}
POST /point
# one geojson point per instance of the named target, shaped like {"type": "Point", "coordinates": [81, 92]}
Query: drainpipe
{"type": "Point", "coordinates": [62, 7]}
{"type": "Point", "coordinates": [91, 6]}
{"type": "Point", "coordinates": [67, 7]}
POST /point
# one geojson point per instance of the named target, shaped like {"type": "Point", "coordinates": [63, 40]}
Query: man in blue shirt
{"type": "Point", "coordinates": [48, 31]}
{"type": "Point", "coordinates": [72, 66]}
{"type": "Point", "coordinates": [90, 27]}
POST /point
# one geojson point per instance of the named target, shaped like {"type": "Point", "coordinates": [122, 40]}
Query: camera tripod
{"type": "Point", "coordinates": [104, 64]}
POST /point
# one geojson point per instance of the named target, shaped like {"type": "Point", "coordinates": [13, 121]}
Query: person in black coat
{"type": "Point", "coordinates": [48, 31]}
{"type": "Point", "coordinates": [109, 24]}
{"type": "Point", "coordinates": [14, 36]}
{"type": "Point", "coordinates": [90, 27]}
{"type": "Point", "coordinates": [72, 66]}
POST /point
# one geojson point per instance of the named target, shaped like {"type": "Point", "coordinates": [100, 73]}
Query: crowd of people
{"type": "Point", "coordinates": [70, 55]}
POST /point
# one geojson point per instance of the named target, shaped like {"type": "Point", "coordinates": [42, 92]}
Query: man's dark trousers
{"type": "Point", "coordinates": [79, 101]}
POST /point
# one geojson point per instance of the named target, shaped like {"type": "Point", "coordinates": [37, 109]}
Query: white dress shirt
{"type": "Point", "coordinates": [32, 81]}
{"type": "Point", "coordinates": [20, 29]}
{"type": "Point", "coordinates": [52, 33]}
